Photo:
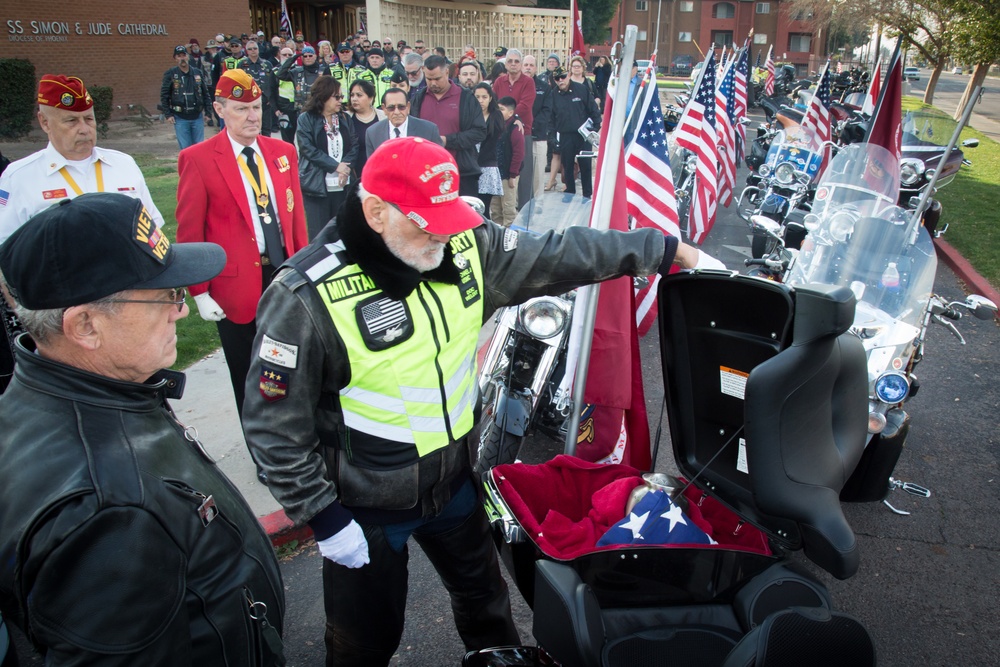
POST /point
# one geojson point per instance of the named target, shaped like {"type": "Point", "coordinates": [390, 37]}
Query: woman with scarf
{"type": "Point", "coordinates": [327, 148]}
{"type": "Point", "coordinates": [363, 115]}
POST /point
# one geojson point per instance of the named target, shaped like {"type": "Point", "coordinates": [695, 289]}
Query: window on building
{"type": "Point", "coordinates": [642, 35]}
{"type": "Point", "coordinates": [722, 37]}
{"type": "Point", "coordinates": [759, 38]}
{"type": "Point", "coordinates": [723, 10]}
{"type": "Point", "coordinates": [763, 7]}
{"type": "Point", "coordinates": [803, 15]}
{"type": "Point", "coordinates": [684, 37]}
{"type": "Point", "coordinates": [641, 5]}
{"type": "Point", "coordinates": [799, 41]}
{"type": "Point", "coordinates": [687, 6]}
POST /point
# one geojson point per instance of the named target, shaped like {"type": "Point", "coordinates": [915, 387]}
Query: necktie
{"type": "Point", "coordinates": [265, 210]}
{"type": "Point", "coordinates": [396, 129]}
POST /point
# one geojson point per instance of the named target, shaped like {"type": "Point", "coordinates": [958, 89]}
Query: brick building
{"type": "Point", "coordinates": [687, 27]}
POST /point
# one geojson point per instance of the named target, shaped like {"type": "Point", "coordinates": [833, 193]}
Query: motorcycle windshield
{"type": "Point", "coordinates": [926, 133]}
{"type": "Point", "coordinates": [859, 238]}
{"type": "Point", "coordinates": [553, 212]}
{"type": "Point", "coordinates": [798, 147]}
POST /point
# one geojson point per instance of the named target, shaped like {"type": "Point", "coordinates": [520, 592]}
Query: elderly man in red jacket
{"type": "Point", "coordinates": [241, 191]}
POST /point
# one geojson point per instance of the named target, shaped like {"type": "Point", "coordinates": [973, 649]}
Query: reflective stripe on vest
{"type": "Point", "coordinates": [413, 367]}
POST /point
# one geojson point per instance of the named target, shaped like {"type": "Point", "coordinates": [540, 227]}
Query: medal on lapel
{"type": "Point", "coordinates": [289, 199]}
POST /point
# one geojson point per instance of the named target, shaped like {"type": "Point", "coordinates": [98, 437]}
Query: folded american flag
{"type": "Point", "coordinates": [655, 519]}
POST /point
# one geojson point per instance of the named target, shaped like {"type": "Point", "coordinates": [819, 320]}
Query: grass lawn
{"type": "Point", "coordinates": [195, 336]}
{"type": "Point", "coordinates": [970, 203]}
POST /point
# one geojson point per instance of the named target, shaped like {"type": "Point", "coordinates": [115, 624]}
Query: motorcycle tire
{"type": "Point", "coordinates": [496, 446]}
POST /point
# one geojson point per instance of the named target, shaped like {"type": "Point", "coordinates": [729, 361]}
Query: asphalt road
{"type": "Point", "coordinates": [949, 89]}
{"type": "Point", "coordinates": [929, 583]}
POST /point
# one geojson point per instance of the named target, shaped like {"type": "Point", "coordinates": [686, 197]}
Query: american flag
{"type": "Point", "coordinates": [286, 23]}
{"type": "Point", "coordinates": [817, 116]}
{"type": "Point", "coordinates": [655, 519]}
{"type": "Point", "coordinates": [382, 315]}
{"type": "Point", "coordinates": [650, 190]}
{"type": "Point", "coordinates": [740, 103]}
{"type": "Point", "coordinates": [696, 132]}
{"type": "Point", "coordinates": [724, 111]}
{"type": "Point", "coordinates": [769, 80]}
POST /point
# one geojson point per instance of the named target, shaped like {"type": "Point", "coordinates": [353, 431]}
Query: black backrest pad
{"type": "Point", "coordinates": [806, 425]}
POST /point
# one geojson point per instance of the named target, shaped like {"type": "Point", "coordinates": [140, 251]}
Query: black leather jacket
{"type": "Point", "coordinates": [121, 543]}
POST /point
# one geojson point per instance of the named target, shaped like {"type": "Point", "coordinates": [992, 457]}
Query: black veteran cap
{"type": "Point", "coordinates": [81, 250]}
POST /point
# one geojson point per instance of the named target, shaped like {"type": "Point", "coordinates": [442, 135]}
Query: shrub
{"type": "Point", "coordinates": [17, 104]}
{"type": "Point", "coordinates": [103, 98]}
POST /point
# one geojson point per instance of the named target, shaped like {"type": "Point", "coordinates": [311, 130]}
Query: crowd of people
{"type": "Point", "coordinates": [350, 346]}
{"type": "Point", "coordinates": [503, 158]}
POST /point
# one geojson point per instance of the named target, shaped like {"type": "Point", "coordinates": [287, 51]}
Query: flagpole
{"type": "Point", "coordinates": [601, 219]}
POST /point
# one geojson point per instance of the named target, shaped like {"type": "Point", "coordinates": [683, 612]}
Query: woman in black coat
{"type": "Point", "coordinates": [327, 147]}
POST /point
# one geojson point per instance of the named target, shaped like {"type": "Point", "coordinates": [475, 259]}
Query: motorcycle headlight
{"type": "Point", "coordinates": [543, 318]}
{"type": "Point", "coordinates": [784, 173]}
{"type": "Point", "coordinates": [691, 163]}
{"type": "Point", "coordinates": [910, 171]}
{"type": "Point", "coordinates": [764, 171]}
{"type": "Point", "coordinates": [811, 222]}
{"type": "Point", "coordinates": [892, 388]}
{"type": "Point", "coordinates": [841, 226]}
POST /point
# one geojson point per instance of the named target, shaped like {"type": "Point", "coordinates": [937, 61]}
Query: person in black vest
{"type": "Point", "coordinates": [262, 72]}
{"type": "Point", "coordinates": [185, 96]}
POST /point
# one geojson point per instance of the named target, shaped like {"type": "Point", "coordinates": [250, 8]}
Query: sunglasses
{"type": "Point", "coordinates": [560, 77]}
{"type": "Point", "coordinates": [395, 107]}
{"type": "Point", "coordinates": [177, 296]}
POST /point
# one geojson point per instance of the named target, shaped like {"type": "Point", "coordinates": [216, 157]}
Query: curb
{"type": "Point", "coordinates": [965, 272]}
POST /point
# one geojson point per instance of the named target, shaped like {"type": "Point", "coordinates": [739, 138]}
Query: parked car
{"type": "Point", "coordinates": [681, 66]}
{"type": "Point", "coordinates": [957, 69]}
{"type": "Point", "coordinates": [911, 74]}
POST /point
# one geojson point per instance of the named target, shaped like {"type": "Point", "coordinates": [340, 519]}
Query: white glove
{"type": "Point", "coordinates": [208, 308]}
{"type": "Point", "coordinates": [706, 261]}
{"type": "Point", "coordinates": [348, 547]}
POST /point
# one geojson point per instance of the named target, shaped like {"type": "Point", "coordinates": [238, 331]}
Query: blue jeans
{"type": "Point", "coordinates": [189, 132]}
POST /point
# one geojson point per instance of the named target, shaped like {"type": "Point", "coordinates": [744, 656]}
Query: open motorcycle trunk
{"type": "Point", "coordinates": [751, 370]}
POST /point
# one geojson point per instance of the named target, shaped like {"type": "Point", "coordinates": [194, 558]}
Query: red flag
{"type": "Point", "coordinates": [578, 47]}
{"type": "Point", "coordinates": [696, 132]}
{"type": "Point", "coordinates": [614, 426]}
{"type": "Point", "coordinates": [873, 90]}
{"type": "Point", "coordinates": [649, 181]}
{"type": "Point", "coordinates": [886, 126]}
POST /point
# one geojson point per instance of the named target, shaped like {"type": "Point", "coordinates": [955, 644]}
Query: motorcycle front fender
{"type": "Point", "coordinates": [513, 412]}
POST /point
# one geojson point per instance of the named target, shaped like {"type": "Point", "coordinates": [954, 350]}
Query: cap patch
{"type": "Point", "coordinates": [418, 219]}
{"type": "Point", "coordinates": [149, 236]}
{"type": "Point", "coordinates": [237, 92]}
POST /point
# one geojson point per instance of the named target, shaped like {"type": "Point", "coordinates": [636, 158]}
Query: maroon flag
{"type": "Point", "coordinates": [696, 132]}
{"type": "Point", "coordinates": [650, 190]}
{"type": "Point", "coordinates": [886, 126]}
{"type": "Point", "coordinates": [613, 426]}
{"type": "Point", "coordinates": [578, 48]}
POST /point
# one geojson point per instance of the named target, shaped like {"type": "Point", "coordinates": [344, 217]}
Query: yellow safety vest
{"type": "Point", "coordinates": [413, 362]}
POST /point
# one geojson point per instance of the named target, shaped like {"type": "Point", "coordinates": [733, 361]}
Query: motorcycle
{"type": "Point", "coordinates": [785, 184]}
{"type": "Point", "coordinates": [523, 384]}
{"type": "Point", "coordinates": [742, 359]}
{"type": "Point", "coordinates": [860, 238]}
{"type": "Point", "coordinates": [925, 138]}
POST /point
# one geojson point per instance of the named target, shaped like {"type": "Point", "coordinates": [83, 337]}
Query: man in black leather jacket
{"type": "Point", "coordinates": [121, 543]}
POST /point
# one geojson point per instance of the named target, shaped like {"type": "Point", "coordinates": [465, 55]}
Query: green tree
{"type": "Point", "coordinates": [976, 41]}
{"type": "Point", "coordinates": [597, 14]}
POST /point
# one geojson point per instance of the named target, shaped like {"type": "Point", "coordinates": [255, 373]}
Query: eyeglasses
{"type": "Point", "coordinates": [337, 97]}
{"type": "Point", "coordinates": [395, 107]}
{"type": "Point", "coordinates": [177, 296]}
{"type": "Point", "coordinates": [308, 55]}
{"type": "Point", "coordinates": [412, 75]}
{"type": "Point", "coordinates": [560, 77]}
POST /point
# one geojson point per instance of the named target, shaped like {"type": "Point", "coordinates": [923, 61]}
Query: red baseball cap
{"type": "Point", "coordinates": [63, 92]}
{"type": "Point", "coordinates": [420, 177]}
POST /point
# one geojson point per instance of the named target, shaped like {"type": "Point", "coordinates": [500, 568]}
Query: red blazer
{"type": "Point", "coordinates": [212, 206]}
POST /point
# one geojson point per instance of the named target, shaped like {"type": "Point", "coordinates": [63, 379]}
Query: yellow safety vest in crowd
{"type": "Point", "coordinates": [413, 362]}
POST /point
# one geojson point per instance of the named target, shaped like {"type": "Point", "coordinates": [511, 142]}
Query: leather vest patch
{"type": "Point", "coordinates": [383, 322]}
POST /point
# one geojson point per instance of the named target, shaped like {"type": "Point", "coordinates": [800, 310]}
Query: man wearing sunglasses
{"type": "Point", "coordinates": [302, 76]}
{"type": "Point", "coordinates": [398, 122]}
{"type": "Point", "coordinates": [361, 398]}
{"type": "Point", "coordinates": [565, 109]}
{"type": "Point", "coordinates": [132, 547]}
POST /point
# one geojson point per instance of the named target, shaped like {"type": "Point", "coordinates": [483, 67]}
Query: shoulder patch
{"type": "Point", "coordinates": [276, 352]}
{"type": "Point", "coordinates": [273, 383]}
{"type": "Point", "coordinates": [509, 239]}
